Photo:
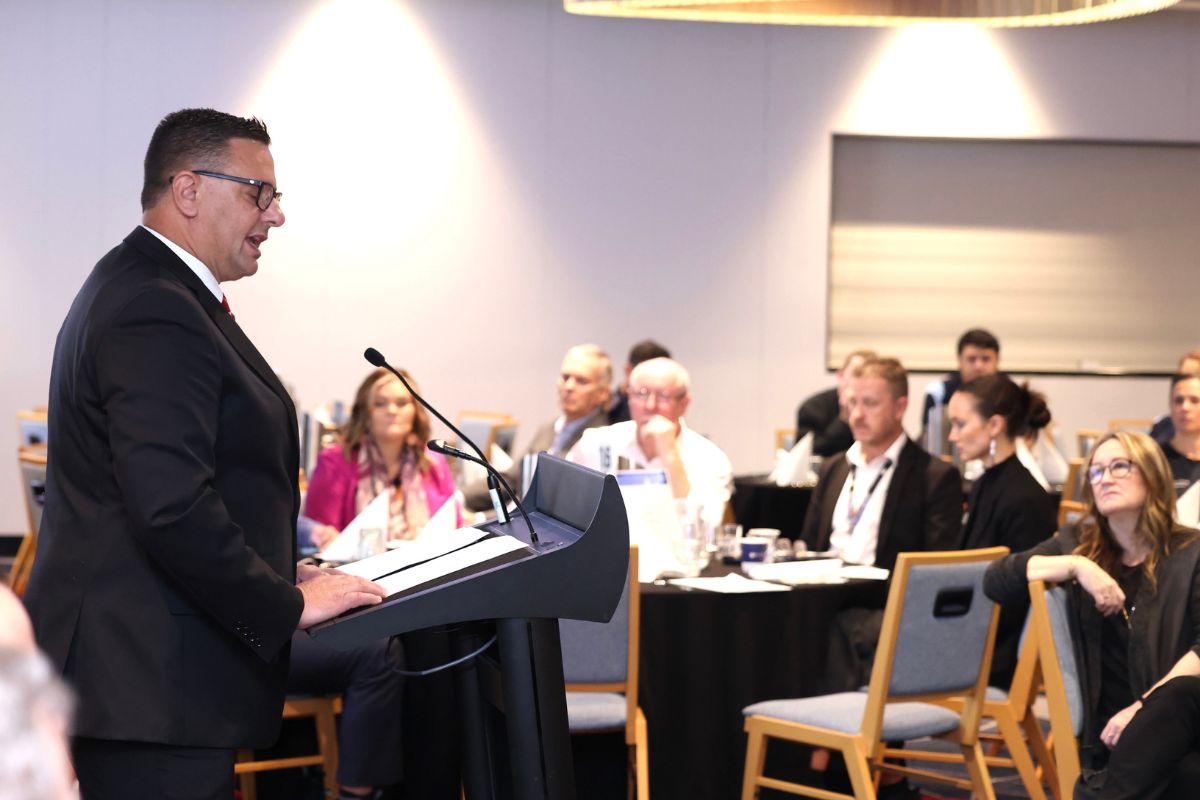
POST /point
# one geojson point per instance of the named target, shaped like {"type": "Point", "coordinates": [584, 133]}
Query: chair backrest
{"type": "Point", "coordinates": [482, 427]}
{"type": "Point", "coordinates": [1049, 612]}
{"type": "Point", "coordinates": [32, 461]}
{"type": "Point", "coordinates": [603, 656]}
{"type": "Point", "coordinates": [1142, 424]}
{"type": "Point", "coordinates": [785, 438]}
{"type": "Point", "coordinates": [32, 428]}
{"type": "Point", "coordinates": [1085, 438]}
{"type": "Point", "coordinates": [937, 635]}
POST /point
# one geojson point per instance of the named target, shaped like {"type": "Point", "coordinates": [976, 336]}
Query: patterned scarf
{"type": "Point", "coordinates": [408, 510]}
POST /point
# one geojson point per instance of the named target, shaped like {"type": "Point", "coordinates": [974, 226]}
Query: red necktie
{"type": "Point", "coordinates": [225, 305]}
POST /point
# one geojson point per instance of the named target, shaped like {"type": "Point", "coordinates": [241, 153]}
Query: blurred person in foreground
{"type": "Point", "coordinates": [35, 721]}
{"type": "Point", "coordinates": [1132, 576]}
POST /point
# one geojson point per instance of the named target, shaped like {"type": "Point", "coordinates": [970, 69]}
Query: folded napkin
{"type": "Point", "coordinates": [794, 467]}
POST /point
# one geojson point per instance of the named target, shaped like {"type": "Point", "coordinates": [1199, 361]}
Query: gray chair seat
{"type": "Point", "coordinates": [844, 712]}
{"type": "Point", "coordinates": [595, 711]}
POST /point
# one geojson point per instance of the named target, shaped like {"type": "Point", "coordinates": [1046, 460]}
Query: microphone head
{"type": "Point", "coordinates": [437, 445]}
{"type": "Point", "coordinates": [374, 357]}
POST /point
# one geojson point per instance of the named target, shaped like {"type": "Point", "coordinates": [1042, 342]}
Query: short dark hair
{"type": "Point", "coordinates": [978, 337]}
{"type": "Point", "coordinates": [193, 138]}
{"type": "Point", "coordinates": [646, 350]}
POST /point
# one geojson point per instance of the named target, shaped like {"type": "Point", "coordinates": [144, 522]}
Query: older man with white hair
{"type": "Point", "coordinates": [657, 437]}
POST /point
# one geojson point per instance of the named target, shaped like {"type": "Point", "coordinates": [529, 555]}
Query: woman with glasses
{"type": "Point", "coordinates": [1007, 505]}
{"type": "Point", "coordinates": [382, 449]}
{"type": "Point", "coordinates": [1132, 576]}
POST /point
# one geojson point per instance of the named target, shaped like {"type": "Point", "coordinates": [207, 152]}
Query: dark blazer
{"type": "Point", "coordinates": [922, 511]}
{"type": "Point", "coordinates": [820, 415]}
{"type": "Point", "coordinates": [1164, 626]}
{"type": "Point", "coordinates": [1009, 508]}
{"type": "Point", "coordinates": [164, 583]}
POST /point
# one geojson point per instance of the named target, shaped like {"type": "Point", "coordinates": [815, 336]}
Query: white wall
{"type": "Point", "coordinates": [474, 186]}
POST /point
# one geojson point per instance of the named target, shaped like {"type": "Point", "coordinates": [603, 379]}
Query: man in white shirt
{"type": "Point", "coordinates": [699, 473]}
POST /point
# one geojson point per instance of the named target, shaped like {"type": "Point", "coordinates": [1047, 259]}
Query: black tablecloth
{"type": "Point", "coordinates": [705, 656]}
{"type": "Point", "coordinates": [759, 503]}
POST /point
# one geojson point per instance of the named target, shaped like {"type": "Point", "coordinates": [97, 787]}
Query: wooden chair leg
{"type": "Point", "coordinates": [1041, 746]}
{"type": "Point", "coordinates": [977, 769]}
{"type": "Point", "coordinates": [246, 781]}
{"type": "Point", "coordinates": [642, 756]}
{"type": "Point", "coordinates": [327, 743]}
{"type": "Point", "coordinates": [756, 758]}
{"type": "Point", "coordinates": [857, 766]}
{"type": "Point", "coordinates": [1021, 759]}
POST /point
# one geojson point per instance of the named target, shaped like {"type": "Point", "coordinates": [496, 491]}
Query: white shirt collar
{"type": "Point", "coordinates": [855, 456]}
{"type": "Point", "coordinates": [194, 264]}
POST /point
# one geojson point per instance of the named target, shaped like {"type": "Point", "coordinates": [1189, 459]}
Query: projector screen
{"type": "Point", "coordinates": [1080, 256]}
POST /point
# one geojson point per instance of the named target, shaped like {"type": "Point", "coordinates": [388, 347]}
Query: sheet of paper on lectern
{"type": "Point", "coordinates": [346, 546]}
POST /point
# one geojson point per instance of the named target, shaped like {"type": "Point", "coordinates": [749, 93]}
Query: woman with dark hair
{"type": "Point", "coordinates": [1183, 448]}
{"type": "Point", "coordinates": [1132, 576]}
{"type": "Point", "coordinates": [382, 449]}
{"type": "Point", "coordinates": [1007, 505]}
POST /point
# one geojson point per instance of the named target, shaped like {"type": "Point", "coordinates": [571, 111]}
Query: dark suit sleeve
{"type": "Point", "coordinates": [811, 533]}
{"type": "Point", "coordinates": [158, 370]}
{"type": "Point", "coordinates": [1006, 580]}
{"type": "Point", "coordinates": [943, 507]}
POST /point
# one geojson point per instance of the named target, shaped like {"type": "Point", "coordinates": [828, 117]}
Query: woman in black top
{"type": "Point", "coordinates": [1132, 576]}
{"type": "Point", "coordinates": [1183, 450]}
{"type": "Point", "coordinates": [1007, 505]}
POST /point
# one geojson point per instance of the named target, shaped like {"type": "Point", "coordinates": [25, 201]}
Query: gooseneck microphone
{"type": "Point", "coordinates": [376, 359]}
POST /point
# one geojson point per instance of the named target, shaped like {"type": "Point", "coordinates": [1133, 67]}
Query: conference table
{"type": "Point", "coordinates": [706, 655]}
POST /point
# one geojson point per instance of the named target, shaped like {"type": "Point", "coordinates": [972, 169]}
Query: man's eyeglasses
{"type": "Point", "coordinates": [1118, 468]}
{"type": "Point", "coordinates": [663, 398]}
{"type": "Point", "coordinates": [266, 192]}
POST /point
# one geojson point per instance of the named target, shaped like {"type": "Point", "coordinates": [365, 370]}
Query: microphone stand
{"type": "Point", "coordinates": [376, 359]}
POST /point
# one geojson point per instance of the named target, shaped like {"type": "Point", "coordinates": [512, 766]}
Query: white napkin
{"type": "Point", "coordinates": [1187, 508]}
{"type": "Point", "coordinates": [794, 467]}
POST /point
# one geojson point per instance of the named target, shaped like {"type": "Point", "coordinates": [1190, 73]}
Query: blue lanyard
{"type": "Point", "coordinates": [853, 515]}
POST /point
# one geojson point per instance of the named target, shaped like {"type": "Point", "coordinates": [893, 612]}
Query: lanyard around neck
{"type": "Point", "coordinates": [854, 514]}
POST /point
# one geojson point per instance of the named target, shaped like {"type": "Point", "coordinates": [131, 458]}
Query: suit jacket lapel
{"type": "Point", "coordinates": [838, 474]}
{"type": "Point", "coordinates": [896, 491]}
{"type": "Point", "coordinates": [154, 249]}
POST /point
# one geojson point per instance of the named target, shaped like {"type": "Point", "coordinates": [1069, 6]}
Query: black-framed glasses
{"type": "Point", "coordinates": [266, 192]}
{"type": "Point", "coordinates": [1118, 468]}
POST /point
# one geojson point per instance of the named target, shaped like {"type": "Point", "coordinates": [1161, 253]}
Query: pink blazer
{"type": "Point", "coordinates": [334, 482]}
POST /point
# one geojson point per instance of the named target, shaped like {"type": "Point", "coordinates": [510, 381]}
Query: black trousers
{"type": "Point", "coordinates": [1158, 754]}
{"type": "Point", "coordinates": [369, 732]}
{"type": "Point", "coordinates": [110, 770]}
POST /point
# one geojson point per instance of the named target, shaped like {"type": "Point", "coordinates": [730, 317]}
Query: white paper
{"type": "Point", "coordinates": [450, 563]}
{"type": "Point", "coordinates": [729, 584]}
{"type": "Point", "coordinates": [654, 524]}
{"type": "Point", "coordinates": [412, 551]}
{"type": "Point", "coordinates": [825, 570]}
{"type": "Point", "coordinates": [443, 521]}
{"type": "Point", "coordinates": [346, 546]}
{"type": "Point", "coordinates": [794, 467]}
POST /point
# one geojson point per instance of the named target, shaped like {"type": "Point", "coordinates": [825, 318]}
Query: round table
{"type": "Point", "coordinates": [705, 656]}
{"type": "Point", "coordinates": [759, 503]}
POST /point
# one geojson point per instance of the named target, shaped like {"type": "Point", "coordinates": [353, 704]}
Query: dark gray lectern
{"type": "Point", "coordinates": [512, 698]}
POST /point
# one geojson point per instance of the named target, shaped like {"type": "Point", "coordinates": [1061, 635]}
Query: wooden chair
{"type": "Point", "coordinates": [785, 438]}
{"type": "Point", "coordinates": [600, 664]}
{"type": "Point", "coordinates": [1142, 424]}
{"type": "Point", "coordinates": [486, 428]}
{"type": "Point", "coordinates": [1060, 679]}
{"type": "Point", "coordinates": [32, 464]}
{"type": "Point", "coordinates": [1085, 439]}
{"type": "Point", "coordinates": [323, 710]}
{"type": "Point", "coordinates": [1071, 507]}
{"type": "Point", "coordinates": [935, 643]}
{"type": "Point", "coordinates": [32, 430]}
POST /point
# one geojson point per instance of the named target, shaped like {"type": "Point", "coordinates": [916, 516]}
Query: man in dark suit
{"type": "Point", "coordinates": [885, 495]}
{"type": "Point", "coordinates": [584, 386]}
{"type": "Point", "coordinates": [165, 586]}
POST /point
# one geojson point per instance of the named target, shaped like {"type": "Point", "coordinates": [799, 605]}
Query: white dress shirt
{"type": "Point", "coordinates": [859, 507]}
{"type": "Point", "coordinates": [194, 264]}
{"type": "Point", "coordinates": [709, 470]}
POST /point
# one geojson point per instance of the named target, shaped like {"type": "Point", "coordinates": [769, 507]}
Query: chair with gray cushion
{"type": "Point", "coordinates": [600, 664]}
{"type": "Point", "coordinates": [935, 644]}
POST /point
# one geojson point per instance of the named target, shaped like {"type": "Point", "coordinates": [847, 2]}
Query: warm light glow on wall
{"type": "Point", "coordinates": [943, 79]}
